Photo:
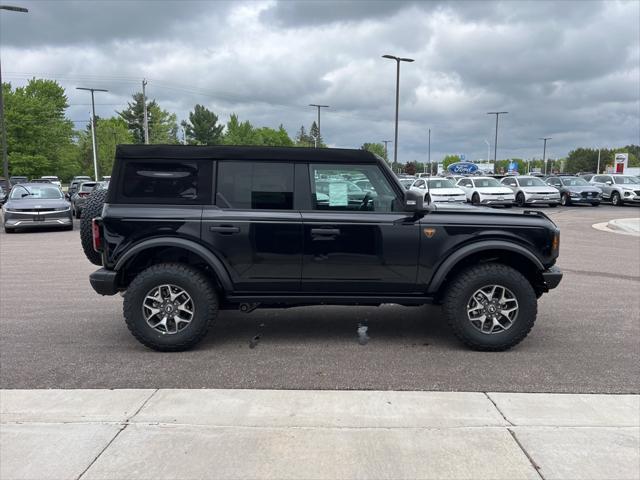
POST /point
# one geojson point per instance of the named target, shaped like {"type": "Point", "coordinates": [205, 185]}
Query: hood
{"type": "Point", "coordinates": [447, 191]}
{"type": "Point", "coordinates": [544, 190]}
{"type": "Point", "coordinates": [501, 190]}
{"type": "Point", "coordinates": [583, 188]}
{"type": "Point", "coordinates": [36, 203]}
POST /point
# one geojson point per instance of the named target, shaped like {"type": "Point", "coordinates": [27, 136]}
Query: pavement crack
{"type": "Point", "coordinates": [524, 450]}
{"type": "Point", "coordinates": [102, 451]}
{"type": "Point", "coordinates": [141, 406]}
{"type": "Point", "coordinates": [498, 409]}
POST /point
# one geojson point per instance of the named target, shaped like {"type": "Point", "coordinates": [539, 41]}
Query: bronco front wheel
{"type": "Point", "coordinates": [490, 307]}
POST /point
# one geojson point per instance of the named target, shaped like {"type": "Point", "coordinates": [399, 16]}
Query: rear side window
{"type": "Point", "coordinates": [167, 182]}
{"type": "Point", "coordinates": [255, 185]}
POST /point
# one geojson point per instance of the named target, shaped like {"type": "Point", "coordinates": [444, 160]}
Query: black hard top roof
{"type": "Point", "coordinates": [232, 152]}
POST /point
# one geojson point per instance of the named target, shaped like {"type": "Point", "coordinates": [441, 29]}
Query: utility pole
{"type": "Point", "coordinates": [386, 156]}
{"type": "Point", "coordinates": [429, 154]}
{"type": "Point", "coordinates": [544, 153]}
{"type": "Point", "coordinates": [495, 145]}
{"type": "Point", "coordinates": [398, 60]}
{"type": "Point", "coordinates": [5, 157]}
{"type": "Point", "coordinates": [317, 140]}
{"type": "Point", "coordinates": [94, 141]}
{"type": "Point", "coordinates": [146, 118]}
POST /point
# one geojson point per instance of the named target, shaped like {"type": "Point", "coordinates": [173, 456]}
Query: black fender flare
{"type": "Point", "coordinates": [210, 258]}
{"type": "Point", "coordinates": [447, 265]}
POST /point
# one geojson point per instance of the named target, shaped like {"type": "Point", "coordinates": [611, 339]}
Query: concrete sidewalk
{"type": "Point", "coordinates": [274, 434]}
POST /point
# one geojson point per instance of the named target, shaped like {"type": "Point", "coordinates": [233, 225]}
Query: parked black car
{"type": "Point", "coordinates": [576, 190]}
{"type": "Point", "coordinates": [187, 231]}
{"type": "Point", "coordinates": [36, 205]}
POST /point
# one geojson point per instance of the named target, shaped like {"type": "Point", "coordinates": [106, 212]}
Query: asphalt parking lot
{"type": "Point", "coordinates": [55, 332]}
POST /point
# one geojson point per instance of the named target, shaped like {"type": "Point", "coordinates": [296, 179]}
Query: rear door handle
{"type": "Point", "coordinates": [224, 229]}
{"type": "Point", "coordinates": [325, 231]}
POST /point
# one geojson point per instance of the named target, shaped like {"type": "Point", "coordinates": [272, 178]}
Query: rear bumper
{"type": "Point", "coordinates": [103, 281]}
{"type": "Point", "coordinates": [552, 277]}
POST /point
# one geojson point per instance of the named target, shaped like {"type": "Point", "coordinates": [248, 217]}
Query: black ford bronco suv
{"type": "Point", "coordinates": [186, 231]}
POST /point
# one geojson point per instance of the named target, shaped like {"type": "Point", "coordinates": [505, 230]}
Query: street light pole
{"type": "Point", "coordinates": [429, 154]}
{"type": "Point", "coordinates": [495, 145]}
{"type": "Point", "coordinates": [488, 150]}
{"type": "Point", "coordinates": [5, 157]}
{"type": "Point", "coordinates": [544, 153]}
{"type": "Point", "coordinates": [398, 60]}
{"type": "Point", "coordinates": [94, 141]}
{"type": "Point", "coordinates": [145, 120]}
{"type": "Point", "coordinates": [386, 156]}
{"type": "Point", "coordinates": [318, 107]}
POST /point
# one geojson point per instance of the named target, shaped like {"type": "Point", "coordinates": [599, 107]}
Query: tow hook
{"type": "Point", "coordinates": [248, 307]}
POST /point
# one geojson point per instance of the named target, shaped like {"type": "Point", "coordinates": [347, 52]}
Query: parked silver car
{"type": "Point", "coordinates": [79, 198]}
{"type": "Point", "coordinates": [576, 190]}
{"type": "Point", "coordinates": [532, 190]}
{"type": "Point", "coordinates": [620, 189]}
{"type": "Point", "coordinates": [35, 205]}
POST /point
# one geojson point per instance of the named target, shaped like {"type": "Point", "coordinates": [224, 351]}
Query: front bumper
{"type": "Point", "coordinates": [445, 199]}
{"type": "Point", "coordinates": [533, 199]}
{"type": "Point", "coordinates": [552, 277]}
{"type": "Point", "coordinates": [104, 281]}
{"type": "Point", "coordinates": [13, 220]}
{"type": "Point", "coordinates": [496, 200]}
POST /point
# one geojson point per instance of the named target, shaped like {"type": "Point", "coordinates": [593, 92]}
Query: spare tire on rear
{"type": "Point", "coordinates": [92, 209]}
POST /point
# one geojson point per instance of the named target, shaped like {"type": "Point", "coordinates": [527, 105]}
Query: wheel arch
{"type": "Point", "coordinates": [503, 252]}
{"type": "Point", "coordinates": [167, 249]}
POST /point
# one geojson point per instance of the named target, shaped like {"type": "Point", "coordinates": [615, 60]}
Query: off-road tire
{"type": "Point", "coordinates": [463, 286]}
{"type": "Point", "coordinates": [189, 279]}
{"type": "Point", "coordinates": [616, 201]}
{"type": "Point", "coordinates": [92, 209]}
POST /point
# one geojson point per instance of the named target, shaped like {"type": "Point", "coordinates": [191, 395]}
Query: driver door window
{"type": "Point", "coordinates": [334, 188]}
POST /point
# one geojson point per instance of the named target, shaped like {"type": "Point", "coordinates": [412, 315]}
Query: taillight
{"type": "Point", "coordinates": [83, 194]}
{"type": "Point", "coordinates": [95, 234]}
{"type": "Point", "coordinates": [555, 244]}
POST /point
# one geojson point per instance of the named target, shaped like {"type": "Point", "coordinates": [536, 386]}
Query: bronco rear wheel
{"type": "Point", "coordinates": [490, 307]}
{"type": "Point", "coordinates": [92, 209]}
{"type": "Point", "coordinates": [168, 307]}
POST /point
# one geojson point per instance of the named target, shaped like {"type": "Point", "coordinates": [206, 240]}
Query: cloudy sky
{"type": "Point", "coordinates": [562, 69]}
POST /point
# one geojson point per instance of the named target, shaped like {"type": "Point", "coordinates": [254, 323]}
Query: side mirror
{"type": "Point", "coordinates": [414, 202]}
{"type": "Point", "coordinates": [609, 182]}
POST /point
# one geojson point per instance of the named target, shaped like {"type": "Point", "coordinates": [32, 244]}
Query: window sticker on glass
{"type": "Point", "coordinates": [338, 195]}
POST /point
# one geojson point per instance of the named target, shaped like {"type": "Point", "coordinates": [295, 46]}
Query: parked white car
{"type": "Point", "coordinates": [438, 190]}
{"type": "Point", "coordinates": [532, 190]}
{"type": "Point", "coordinates": [53, 179]}
{"type": "Point", "coordinates": [486, 191]}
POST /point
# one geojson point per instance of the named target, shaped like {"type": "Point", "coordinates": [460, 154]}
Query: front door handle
{"type": "Point", "coordinates": [325, 231]}
{"type": "Point", "coordinates": [225, 229]}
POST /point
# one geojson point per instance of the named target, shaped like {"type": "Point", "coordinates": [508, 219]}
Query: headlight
{"type": "Point", "coordinates": [574, 194]}
{"type": "Point", "coordinates": [627, 193]}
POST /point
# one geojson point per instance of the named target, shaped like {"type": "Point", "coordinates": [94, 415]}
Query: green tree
{"type": "Point", "coordinates": [239, 133]}
{"type": "Point", "coordinates": [303, 139]}
{"type": "Point", "coordinates": [377, 148]}
{"type": "Point", "coordinates": [202, 127]}
{"type": "Point", "coordinates": [273, 138]}
{"type": "Point", "coordinates": [449, 159]}
{"type": "Point", "coordinates": [316, 138]}
{"type": "Point", "coordinates": [39, 137]}
{"type": "Point", "coordinates": [163, 126]}
{"type": "Point", "coordinates": [109, 133]}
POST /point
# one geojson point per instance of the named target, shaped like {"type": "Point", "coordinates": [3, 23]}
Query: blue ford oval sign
{"type": "Point", "coordinates": [463, 167]}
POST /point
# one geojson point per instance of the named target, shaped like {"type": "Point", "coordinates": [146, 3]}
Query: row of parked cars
{"type": "Point", "coordinates": [523, 190]}
{"type": "Point", "coordinates": [41, 202]}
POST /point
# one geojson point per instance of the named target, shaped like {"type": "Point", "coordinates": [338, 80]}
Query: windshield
{"type": "Point", "coordinates": [406, 182]}
{"type": "Point", "coordinates": [486, 182]}
{"type": "Point", "coordinates": [441, 183]}
{"type": "Point", "coordinates": [87, 187]}
{"type": "Point", "coordinates": [531, 182]}
{"type": "Point", "coordinates": [626, 180]}
{"type": "Point", "coordinates": [574, 182]}
{"type": "Point", "coordinates": [45, 192]}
